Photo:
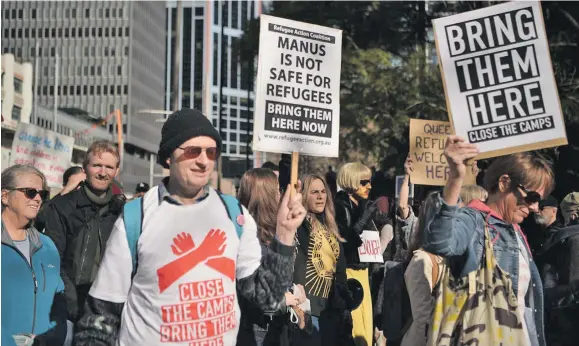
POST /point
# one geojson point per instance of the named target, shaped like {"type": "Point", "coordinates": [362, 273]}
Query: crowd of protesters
{"type": "Point", "coordinates": [182, 264]}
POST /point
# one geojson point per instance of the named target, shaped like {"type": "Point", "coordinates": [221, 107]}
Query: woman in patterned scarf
{"type": "Point", "coordinates": [320, 267]}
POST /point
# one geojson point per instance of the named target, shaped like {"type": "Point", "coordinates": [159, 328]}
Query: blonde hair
{"type": "Point", "coordinates": [99, 147]}
{"type": "Point", "coordinates": [350, 174]}
{"type": "Point", "coordinates": [470, 192]}
{"type": "Point", "coordinates": [329, 217]}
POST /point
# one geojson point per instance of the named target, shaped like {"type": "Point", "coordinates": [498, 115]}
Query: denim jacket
{"type": "Point", "coordinates": [458, 234]}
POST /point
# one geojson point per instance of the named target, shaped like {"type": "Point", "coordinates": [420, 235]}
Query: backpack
{"type": "Point", "coordinates": [133, 214]}
{"type": "Point", "coordinates": [396, 312]}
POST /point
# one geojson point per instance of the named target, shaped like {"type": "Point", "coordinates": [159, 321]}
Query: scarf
{"type": "Point", "coordinates": [100, 201]}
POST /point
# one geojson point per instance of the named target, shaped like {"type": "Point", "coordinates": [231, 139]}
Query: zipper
{"type": "Point", "coordinates": [44, 277]}
{"type": "Point", "coordinates": [84, 253]}
{"type": "Point", "coordinates": [34, 304]}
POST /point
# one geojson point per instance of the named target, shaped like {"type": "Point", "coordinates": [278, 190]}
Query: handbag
{"type": "Point", "coordinates": [479, 309]}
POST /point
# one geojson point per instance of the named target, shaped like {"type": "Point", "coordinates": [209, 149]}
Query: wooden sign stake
{"type": "Point", "coordinates": [294, 173]}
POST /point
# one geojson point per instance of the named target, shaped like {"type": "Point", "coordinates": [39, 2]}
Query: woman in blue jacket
{"type": "Point", "coordinates": [33, 303]}
{"type": "Point", "coordinates": [515, 184]}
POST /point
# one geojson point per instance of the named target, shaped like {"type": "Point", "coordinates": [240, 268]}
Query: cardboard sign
{"type": "Point", "coordinates": [399, 182]}
{"type": "Point", "coordinates": [427, 141]}
{"type": "Point", "coordinates": [498, 79]}
{"type": "Point", "coordinates": [297, 107]}
{"type": "Point", "coordinates": [370, 250]}
{"type": "Point", "coordinates": [48, 151]}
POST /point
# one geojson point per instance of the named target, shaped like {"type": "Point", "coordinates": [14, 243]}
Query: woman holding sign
{"type": "Point", "coordinates": [354, 215]}
{"type": "Point", "coordinates": [498, 300]}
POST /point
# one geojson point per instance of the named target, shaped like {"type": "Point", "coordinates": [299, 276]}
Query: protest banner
{"type": "Point", "coordinates": [46, 150]}
{"type": "Point", "coordinates": [370, 250]}
{"type": "Point", "coordinates": [498, 79]}
{"type": "Point", "coordinates": [427, 141]}
{"type": "Point", "coordinates": [297, 107]}
{"type": "Point", "coordinates": [399, 182]}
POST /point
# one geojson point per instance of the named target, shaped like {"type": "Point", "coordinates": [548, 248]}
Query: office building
{"type": "Point", "coordinates": [107, 55]}
{"type": "Point", "coordinates": [205, 54]}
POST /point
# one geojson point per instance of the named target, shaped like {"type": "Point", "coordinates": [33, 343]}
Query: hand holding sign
{"type": "Point", "coordinates": [457, 150]}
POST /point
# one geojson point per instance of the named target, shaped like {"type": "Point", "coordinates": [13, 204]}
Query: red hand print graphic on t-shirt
{"type": "Point", "coordinates": [183, 245]}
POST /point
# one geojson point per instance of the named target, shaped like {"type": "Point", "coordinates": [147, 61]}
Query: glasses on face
{"type": "Point", "coordinates": [194, 152]}
{"type": "Point", "coordinates": [365, 182]}
{"type": "Point", "coordinates": [531, 197]}
{"type": "Point", "coordinates": [31, 193]}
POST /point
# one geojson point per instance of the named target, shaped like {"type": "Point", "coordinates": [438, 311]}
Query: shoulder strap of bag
{"type": "Point", "coordinates": [435, 269]}
{"type": "Point", "coordinates": [133, 218]}
{"type": "Point", "coordinates": [234, 211]}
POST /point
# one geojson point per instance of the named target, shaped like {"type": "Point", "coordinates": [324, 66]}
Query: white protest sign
{"type": "Point", "coordinates": [399, 183]}
{"type": "Point", "coordinates": [370, 250]}
{"type": "Point", "coordinates": [297, 107]}
{"type": "Point", "coordinates": [48, 151]}
{"type": "Point", "coordinates": [498, 79]}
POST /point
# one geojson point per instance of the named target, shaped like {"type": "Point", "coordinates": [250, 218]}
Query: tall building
{"type": "Point", "coordinates": [107, 54]}
{"type": "Point", "coordinates": [207, 52]}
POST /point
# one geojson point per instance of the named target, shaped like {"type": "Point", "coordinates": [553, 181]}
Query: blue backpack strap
{"type": "Point", "coordinates": [234, 211]}
{"type": "Point", "coordinates": [133, 218]}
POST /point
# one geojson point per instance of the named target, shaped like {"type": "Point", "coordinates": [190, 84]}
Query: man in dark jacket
{"type": "Point", "coordinates": [81, 221]}
{"type": "Point", "coordinates": [560, 258]}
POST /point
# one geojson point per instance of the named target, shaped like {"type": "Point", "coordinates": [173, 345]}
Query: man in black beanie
{"type": "Point", "coordinates": [195, 254]}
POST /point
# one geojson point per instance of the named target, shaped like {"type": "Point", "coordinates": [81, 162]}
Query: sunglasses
{"type": "Point", "coordinates": [531, 197]}
{"type": "Point", "coordinates": [31, 193]}
{"type": "Point", "coordinates": [194, 152]}
{"type": "Point", "coordinates": [365, 182]}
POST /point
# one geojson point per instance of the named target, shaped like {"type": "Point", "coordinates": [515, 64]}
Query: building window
{"type": "Point", "coordinates": [107, 13]}
{"type": "Point", "coordinates": [79, 32]}
{"type": "Point", "coordinates": [126, 109]}
{"type": "Point", "coordinates": [118, 90]}
{"type": "Point", "coordinates": [105, 89]}
{"type": "Point", "coordinates": [33, 13]}
{"type": "Point", "coordinates": [100, 12]}
{"type": "Point", "coordinates": [84, 90]}
{"type": "Point", "coordinates": [100, 32]}
{"type": "Point", "coordinates": [98, 89]}
{"type": "Point", "coordinates": [87, 13]}
{"type": "Point", "coordinates": [114, 12]}
{"type": "Point", "coordinates": [16, 111]}
{"type": "Point", "coordinates": [92, 89]}
{"type": "Point", "coordinates": [92, 70]}
{"type": "Point", "coordinates": [52, 51]}
{"type": "Point", "coordinates": [59, 32]}
{"type": "Point", "coordinates": [52, 90]}
{"type": "Point", "coordinates": [119, 70]}
{"type": "Point", "coordinates": [113, 32]}
{"type": "Point", "coordinates": [127, 31]}
{"type": "Point", "coordinates": [93, 51]}
{"type": "Point", "coordinates": [64, 90]}
{"type": "Point", "coordinates": [53, 32]}
{"type": "Point", "coordinates": [85, 51]}
{"type": "Point", "coordinates": [73, 32]}
{"type": "Point", "coordinates": [126, 50]}
{"type": "Point", "coordinates": [32, 51]}
{"type": "Point", "coordinates": [86, 32]}
{"type": "Point", "coordinates": [20, 14]}
{"type": "Point", "coordinates": [126, 89]}
{"type": "Point", "coordinates": [93, 32]}
{"type": "Point", "coordinates": [66, 32]}
{"type": "Point", "coordinates": [19, 33]}
{"type": "Point", "coordinates": [106, 32]}
{"type": "Point", "coordinates": [113, 51]}
{"type": "Point", "coordinates": [112, 90]}
{"type": "Point", "coordinates": [86, 70]}
{"type": "Point", "coordinates": [67, 13]}
{"type": "Point", "coordinates": [6, 14]}
{"type": "Point", "coordinates": [99, 70]}
{"type": "Point", "coordinates": [18, 85]}
{"type": "Point", "coordinates": [45, 90]}
{"type": "Point", "coordinates": [120, 13]}
{"type": "Point", "coordinates": [106, 51]}
{"type": "Point", "coordinates": [39, 33]}
{"type": "Point", "coordinates": [78, 89]}
{"type": "Point", "coordinates": [33, 33]}
{"type": "Point", "coordinates": [74, 13]}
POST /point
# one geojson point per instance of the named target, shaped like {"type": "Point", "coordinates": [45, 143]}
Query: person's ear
{"type": "Point", "coordinates": [168, 161]}
{"type": "Point", "coordinates": [504, 183]}
{"type": "Point", "coordinates": [5, 197]}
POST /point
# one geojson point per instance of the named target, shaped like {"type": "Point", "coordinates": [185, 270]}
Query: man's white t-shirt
{"type": "Point", "coordinates": [184, 291]}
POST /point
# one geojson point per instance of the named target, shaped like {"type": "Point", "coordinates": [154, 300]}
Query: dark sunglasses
{"type": "Point", "coordinates": [531, 197]}
{"type": "Point", "coordinates": [365, 182]}
{"type": "Point", "coordinates": [194, 152]}
{"type": "Point", "coordinates": [31, 193]}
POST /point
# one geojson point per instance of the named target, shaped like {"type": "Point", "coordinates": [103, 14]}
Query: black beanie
{"type": "Point", "coordinates": [180, 127]}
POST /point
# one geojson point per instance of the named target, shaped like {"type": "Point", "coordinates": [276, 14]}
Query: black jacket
{"type": "Point", "coordinates": [347, 218]}
{"type": "Point", "coordinates": [72, 221]}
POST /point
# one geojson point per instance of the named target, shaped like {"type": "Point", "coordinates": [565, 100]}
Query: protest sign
{"type": "Point", "coordinates": [297, 107]}
{"type": "Point", "coordinates": [370, 250]}
{"type": "Point", "coordinates": [427, 141]}
{"type": "Point", "coordinates": [498, 79]}
{"type": "Point", "coordinates": [399, 182]}
{"type": "Point", "coordinates": [48, 151]}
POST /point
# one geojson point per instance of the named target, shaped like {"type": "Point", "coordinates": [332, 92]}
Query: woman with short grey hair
{"type": "Point", "coordinates": [33, 303]}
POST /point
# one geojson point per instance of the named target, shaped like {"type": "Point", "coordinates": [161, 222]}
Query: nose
{"type": "Point", "coordinates": [202, 159]}
{"type": "Point", "coordinates": [534, 207]}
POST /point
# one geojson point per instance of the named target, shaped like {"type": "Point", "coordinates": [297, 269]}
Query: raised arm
{"type": "Point", "coordinates": [450, 231]}
{"type": "Point", "coordinates": [405, 189]}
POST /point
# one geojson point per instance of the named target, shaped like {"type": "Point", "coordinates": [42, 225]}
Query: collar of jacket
{"type": "Point", "coordinates": [82, 200]}
{"type": "Point", "coordinates": [33, 238]}
{"type": "Point", "coordinates": [480, 206]}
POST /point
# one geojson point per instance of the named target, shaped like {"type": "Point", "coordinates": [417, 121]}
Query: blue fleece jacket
{"type": "Point", "coordinates": [28, 290]}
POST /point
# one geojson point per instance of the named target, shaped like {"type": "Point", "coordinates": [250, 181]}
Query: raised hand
{"type": "Point", "coordinates": [408, 166]}
{"type": "Point", "coordinates": [290, 216]}
{"type": "Point", "coordinates": [457, 150]}
{"type": "Point", "coordinates": [182, 243]}
{"type": "Point", "coordinates": [214, 243]}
